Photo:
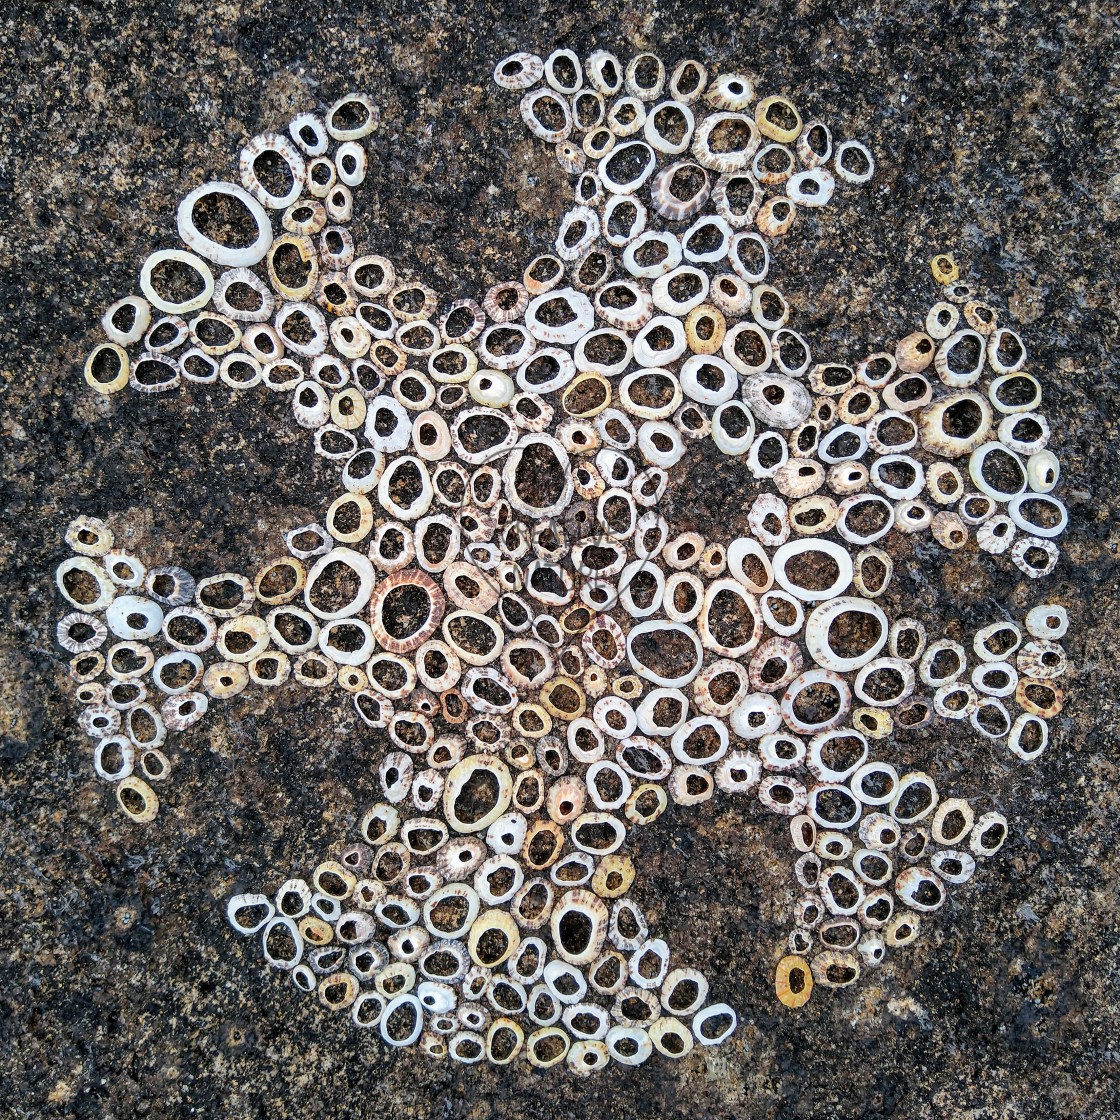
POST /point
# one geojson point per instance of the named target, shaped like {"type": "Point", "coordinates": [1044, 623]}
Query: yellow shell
{"type": "Point", "coordinates": [944, 269]}
{"type": "Point", "coordinates": [793, 981]}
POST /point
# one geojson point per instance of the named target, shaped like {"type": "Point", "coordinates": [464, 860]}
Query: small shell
{"type": "Point", "coordinates": [728, 159]}
{"type": "Point", "coordinates": [775, 217]}
{"type": "Point", "coordinates": [714, 1024]}
{"type": "Point", "coordinates": [778, 119]}
{"type": "Point", "coordinates": [107, 368]}
{"type": "Point", "coordinates": [230, 256]}
{"type": "Point", "coordinates": [835, 968]}
{"type": "Point", "coordinates": [920, 889]}
{"type": "Point", "coordinates": [680, 190]}
{"type": "Point", "coordinates": [1047, 621]}
{"type": "Point", "coordinates": [534, 120]}
{"type": "Point", "coordinates": [519, 71]}
{"type": "Point", "coordinates": [137, 800]}
{"type": "Point", "coordinates": [853, 162]}
{"type": "Point", "coordinates": [1028, 737]}
{"type": "Point", "coordinates": [126, 321]}
{"type": "Point", "coordinates": [814, 145]}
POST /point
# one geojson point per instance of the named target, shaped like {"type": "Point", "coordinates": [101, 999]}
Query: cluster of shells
{"type": "Point", "coordinates": [541, 661]}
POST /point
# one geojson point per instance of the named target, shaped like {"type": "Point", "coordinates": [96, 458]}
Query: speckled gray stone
{"type": "Point", "coordinates": [122, 991]}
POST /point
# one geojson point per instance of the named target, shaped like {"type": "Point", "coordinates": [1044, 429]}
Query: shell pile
{"type": "Point", "coordinates": [541, 662]}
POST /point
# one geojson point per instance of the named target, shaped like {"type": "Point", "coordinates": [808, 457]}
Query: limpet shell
{"type": "Point", "coordinates": [231, 256]}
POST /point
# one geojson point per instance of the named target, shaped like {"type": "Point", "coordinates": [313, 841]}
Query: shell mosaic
{"type": "Point", "coordinates": [541, 662]}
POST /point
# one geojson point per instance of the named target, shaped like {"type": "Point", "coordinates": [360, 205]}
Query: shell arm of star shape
{"type": "Point", "coordinates": [539, 663]}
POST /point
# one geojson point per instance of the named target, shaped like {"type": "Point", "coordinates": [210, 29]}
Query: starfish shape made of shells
{"type": "Point", "coordinates": [542, 662]}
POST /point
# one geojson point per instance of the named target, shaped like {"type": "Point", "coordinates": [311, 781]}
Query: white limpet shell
{"type": "Point", "coordinates": [811, 188]}
{"type": "Point", "coordinates": [352, 162]}
{"type": "Point", "coordinates": [1047, 621]}
{"type": "Point", "coordinates": [843, 432]}
{"type": "Point", "coordinates": [134, 617]}
{"type": "Point", "coordinates": [840, 557]}
{"type": "Point", "coordinates": [620, 237]}
{"type": "Point", "coordinates": [920, 889]}
{"type": "Point", "coordinates": [241, 902]}
{"type": "Point", "coordinates": [634, 87]}
{"type": "Point", "coordinates": [654, 357]}
{"type": "Point", "coordinates": [491, 388]}
{"type": "Point", "coordinates": [119, 747]}
{"type": "Point", "coordinates": [660, 444]}
{"type": "Point", "coordinates": [179, 256]}
{"type": "Point", "coordinates": [141, 320]}
{"type": "Point", "coordinates": [620, 151]}
{"type": "Point", "coordinates": [976, 463]}
{"type": "Point", "coordinates": [674, 254]}
{"type": "Point", "coordinates": [1043, 471]}
{"type": "Point", "coordinates": [820, 621]}
{"type": "Point", "coordinates": [1015, 380]}
{"type": "Point", "coordinates": [958, 379]}
{"type": "Point", "coordinates": [662, 296]}
{"type": "Point", "coordinates": [794, 403]}
{"type": "Point", "coordinates": [706, 365]}
{"type": "Point", "coordinates": [1006, 362]}
{"type": "Point", "coordinates": [703, 226]}
{"type": "Point", "coordinates": [988, 834]}
{"type": "Point", "coordinates": [357, 131]}
{"type": "Point", "coordinates": [391, 1014]}
{"type": "Point", "coordinates": [638, 1046]}
{"type": "Point", "coordinates": [759, 715]}
{"type": "Point", "coordinates": [723, 438]}
{"type": "Point", "coordinates": [1059, 520]}
{"type": "Point", "coordinates": [382, 437]}
{"type": "Point", "coordinates": [845, 173]}
{"type": "Point", "coordinates": [647, 672]}
{"type": "Point", "coordinates": [215, 251]}
{"type": "Point", "coordinates": [87, 566]}
{"type": "Point", "coordinates": [509, 476]}
{"type": "Point", "coordinates": [912, 780]}
{"type": "Point", "coordinates": [1019, 728]}
{"type": "Point", "coordinates": [308, 131]}
{"type": "Point", "coordinates": [744, 549]}
{"type": "Point", "coordinates": [662, 141]}
{"type": "Point", "coordinates": [555, 80]}
{"type": "Point", "coordinates": [571, 331]}
{"type": "Point", "coordinates": [1033, 429]}
{"type": "Point", "coordinates": [358, 564]}
{"type": "Point", "coordinates": [714, 1011]}
{"type": "Point", "coordinates": [730, 159]}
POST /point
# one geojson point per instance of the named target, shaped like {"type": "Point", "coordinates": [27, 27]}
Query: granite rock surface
{"type": "Point", "coordinates": [122, 991]}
